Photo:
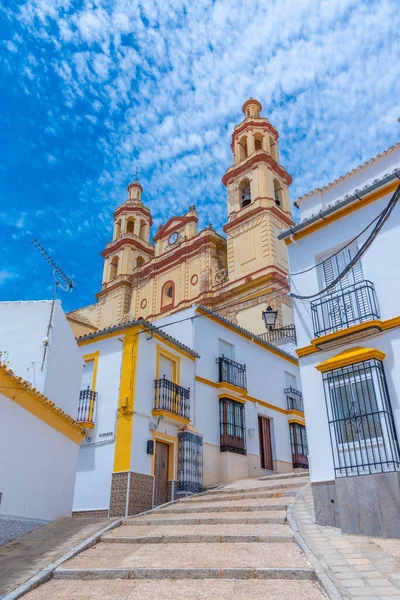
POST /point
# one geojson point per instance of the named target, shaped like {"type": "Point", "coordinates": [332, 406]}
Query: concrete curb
{"type": "Point", "coordinates": [199, 539]}
{"type": "Point", "coordinates": [187, 573]}
{"type": "Point", "coordinates": [322, 575]}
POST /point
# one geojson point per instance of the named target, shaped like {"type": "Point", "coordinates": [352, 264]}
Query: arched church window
{"type": "Point", "coordinates": [117, 229]}
{"type": "Point", "coordinates": [274, 149]}
{"type": "Point", "coordinates": [139, 261]}
{"type": "Point", "coordinates": [130, 225]}
{"type": "Point", "coordinates": [167, 294]}
{"type": "Point", "coordinates": [244, 193]}
{"type": "Point", "coordinates": [243, 152]}
{"type": "Point", "coordinates": [142, 230]}
{"type": "Point", "coordinates": [278, 193]}
{"type": "Point", "coordinates": [114, 267]}
{"type": "Point", "coordinates": [258, 141]}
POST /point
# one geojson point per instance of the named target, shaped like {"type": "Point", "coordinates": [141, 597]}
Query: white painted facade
{"type": "Point", "coordinates": [267, 375]}
{"type": "Point", "coordinates": [380, 266]}
{"type": "Point", "coordinates": [39, 454]}
{"type": "Point", "coordinates": [23, 327]}
{"type": "Point", "coordinates": [37, 471]}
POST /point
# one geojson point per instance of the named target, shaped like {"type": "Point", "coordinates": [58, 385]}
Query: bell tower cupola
{"type": "Point", "coordinates": [130, 247]}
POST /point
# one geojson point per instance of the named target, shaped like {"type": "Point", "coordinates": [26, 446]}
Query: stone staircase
{"type": "Point", "coordinates": [225, 543]}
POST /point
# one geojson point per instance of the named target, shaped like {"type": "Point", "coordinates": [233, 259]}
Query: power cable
{"type": "Point", "coordinates": [383, 217]}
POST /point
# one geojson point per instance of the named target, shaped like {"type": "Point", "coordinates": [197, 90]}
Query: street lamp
{"type": "Point", "coordinates": [269, 317]}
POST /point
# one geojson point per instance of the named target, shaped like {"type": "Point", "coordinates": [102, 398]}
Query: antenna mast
{"type": "Point", "coordinates": [60, 279]}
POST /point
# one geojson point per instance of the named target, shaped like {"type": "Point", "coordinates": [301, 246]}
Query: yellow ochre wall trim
{"type": "Point", "coordinates": [123, 437]}
{"type": "Point", "coordinates": [245, 397]}
{"type": "Point", "coordinates": [172, 442]}
{"type": "Point", "coordinates": [350, 357]}
{"type": "Point", "coordinates": [297, 421]}
{"type": "Point", "coordinates": [347, 210]}
{"type": "Point", "coordinates": [374, 323]}
{"type": "Point", "coordinates": [22, 393]}
{"type": "Point", "coordinates": [94, 356]}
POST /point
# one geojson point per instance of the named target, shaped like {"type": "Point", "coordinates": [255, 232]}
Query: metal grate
{"type": "Point", "coordinates": [281, 334]}
{"type": "Point", "coordinates": [294, 399]}
{"type": "Point", "coordinates": [190, 463]}
{"type": "Point", "coordinates": [172, 397]}
{"type": "Point", "coordinates": [232, 372]}
{"type": "Point", "coordinates": [361, 424]}
{"type": "Point", "coordinates": [232, 426]}
{"type": "Point", "coordinates": [87, 399]}
{"type": "Point", "coordinates": [298, 440]}
{"type": "Point", "coordinates": [343, 308]}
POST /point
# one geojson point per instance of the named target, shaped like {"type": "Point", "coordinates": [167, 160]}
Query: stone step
{"type": "Point", "coordinates": [241, 496]}
{"type": "Point", "coordinates": [180, 589]}
{"type": "Point", "coordinates": [198, 539]}
{"type": "Point", "coordinates": [262, 486]}
{"type": "Point", "coordinates": [167, 557]}
{"type": "Point", "coordinates": [296, 573]}
{"type": "Point", "coordinates": [263, 504]}
{"type": "Point", "coordinates": [284, 476]}
{"type": "Point", "coordinates": [130, 530]}
{"type": "Point", "coordinates": [261, 517]}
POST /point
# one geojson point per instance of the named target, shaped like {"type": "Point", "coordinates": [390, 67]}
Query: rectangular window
{"type": "Point", "coordinates": [232, 426]}
{"type": "Point", "coordinates": [360, 418]}
{"type": "Point", "coordinates": [225, 349]}
{"type": "Point", "coordinates": [298, 440]}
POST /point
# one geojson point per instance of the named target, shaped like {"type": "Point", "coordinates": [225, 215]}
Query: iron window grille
{"type": "Point", "coordinates": [298, 441]}
{"type": "Point", "coordinates": [361, 424]}
{"type": "Point", "coordinates": [87, 399]}
{"type": "Point", "coordinates": [172, 397]}
{"type": "Point", "coordinates": [345, 307]}
{"type": "Point", "coordinates": [232, 372]}
{"type": "Point", "coordinates": [190, 462]}
{"type": "Point", "coordinates": [294, 399]}
{"type": "Point", "coordinates": [232, 426]}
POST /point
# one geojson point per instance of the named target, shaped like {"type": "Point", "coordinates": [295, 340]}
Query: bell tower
{"type": "Point", "coordinates": [258, 205]}
{"type": "Point", "coordinates": [129, 249]}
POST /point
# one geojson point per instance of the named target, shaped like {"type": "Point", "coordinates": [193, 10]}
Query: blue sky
{"type": "Point", "coordinates": [90, 90]}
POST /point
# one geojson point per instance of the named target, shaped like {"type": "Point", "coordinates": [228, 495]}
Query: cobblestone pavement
{"type": "Point", "coordinates": [231, 543]}
{"type": "Point", "coordinates": [24, 557]}
{"type": "Point", "coordinates": [11, 529]}
{"type": "Point", "coordinates": [360, 567]}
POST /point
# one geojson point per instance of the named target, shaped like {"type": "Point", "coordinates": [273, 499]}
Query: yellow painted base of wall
{"type": "Point", "coordinates": [224, 467]}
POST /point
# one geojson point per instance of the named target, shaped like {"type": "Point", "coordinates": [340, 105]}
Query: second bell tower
{"type": "Point", "coordinates": [258, 208]}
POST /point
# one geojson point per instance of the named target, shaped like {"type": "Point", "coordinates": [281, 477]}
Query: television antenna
{"type": "Point", "coordinates": [61, 280]}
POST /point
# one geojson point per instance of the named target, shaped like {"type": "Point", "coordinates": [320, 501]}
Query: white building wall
{"type": "Point", "coordinates": [96, 457]}
{"type": "Point", "coordinates": [23, 326]}
{"type": "Point", "coordinates": [37, 470]}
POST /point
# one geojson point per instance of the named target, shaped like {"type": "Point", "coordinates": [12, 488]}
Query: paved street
{"type": "Point", "coordinates": [24, 557]}
{"type": "Point", "coordinates": [360, 567]}
{"type": "Point", "coordinates": [227, 543]}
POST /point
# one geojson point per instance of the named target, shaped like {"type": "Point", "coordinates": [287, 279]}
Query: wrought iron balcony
{"type": "Point", "coordinates": [343, 308]}
{"type": "Point", "coordinates": [172, 397]}
{"type": "Point", "coordinates": [231, 372]}
{"type": "Point", "coordinates": [87, 399]}
{"type": "Point", "coordinates": [294, 399]}
{"type": "Point", "coordinates": [280, 336]}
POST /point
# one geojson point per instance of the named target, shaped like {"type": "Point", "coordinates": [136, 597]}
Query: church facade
{"type": "Point", "coordinates": [238, 275]}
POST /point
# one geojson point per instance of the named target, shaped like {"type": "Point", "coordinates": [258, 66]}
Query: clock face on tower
{"type": "Point", "coordinates": [173, 238]}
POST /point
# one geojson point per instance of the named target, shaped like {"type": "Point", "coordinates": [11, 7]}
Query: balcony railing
{"type": "Point", "coordinates": [231, 372]}
{"type": "Point", "coordinates": [294, 399]}
{"type": "Point", "coordinates": [87, 399]}
{"type": "Point", "coordinates": [280, 336]}
{"type": "Point", "coordinates": [172, 397]}
{"type": "Point", "coordinates": [343, 308]}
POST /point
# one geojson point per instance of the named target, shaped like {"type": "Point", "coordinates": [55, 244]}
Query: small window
{"type": "Point", "coordinates": [225, 349]}
{"type": "Point", "coordinates": [114, 267]}
{"type": "Point", "coordinates": [243, 151]}
{"type": "Point", "coordinates": [167, 294]}
{"type": "Point", "coordinates": [298, 440]}
{"type": "Point", "coordinates": [278, 193]}
{"type": "Point", "coordinates": [232, 426]}
{"type": "Point", "coordinates": [130, 226]}
{"type": "Point", "coordinates": [244, 193]}
{"type": "Point", "coordinates": [139, 261]}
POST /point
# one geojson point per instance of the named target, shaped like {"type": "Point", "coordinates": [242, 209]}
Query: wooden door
{"type": "Point", "coordinates": [264, 432]}
{"type": "Point", "coordinates": [161, 473]}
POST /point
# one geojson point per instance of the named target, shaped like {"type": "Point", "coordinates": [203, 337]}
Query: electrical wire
{"type": "Point", "coordinates": [383, 217]}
